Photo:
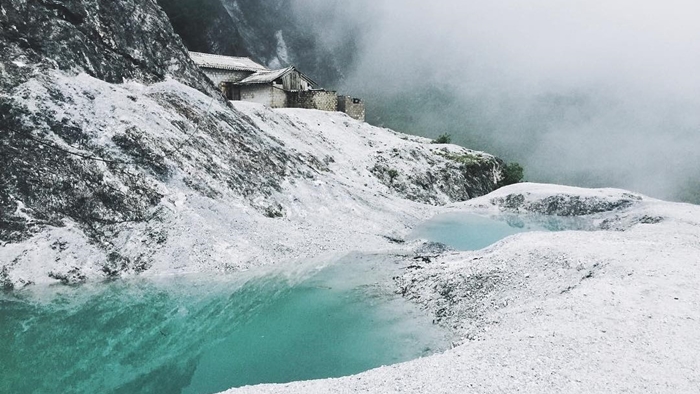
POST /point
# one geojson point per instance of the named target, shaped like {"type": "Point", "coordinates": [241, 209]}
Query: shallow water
{"type": "Point", "coordinates": [203, 334]}
{"type": "Point", "coordinates": [467, 231]}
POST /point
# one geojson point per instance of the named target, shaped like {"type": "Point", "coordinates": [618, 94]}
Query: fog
{"type": "Point", "coordinates": [591, 93]}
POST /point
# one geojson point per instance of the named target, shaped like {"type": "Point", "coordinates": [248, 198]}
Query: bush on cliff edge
{"type": "Point", "coordinates": [512, 173]}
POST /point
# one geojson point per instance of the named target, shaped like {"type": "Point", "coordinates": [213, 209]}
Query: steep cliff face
{"type": "Point", "coordinates": [205, 26]}
{"type": "Point", "coordinates": [118, 157]}
{"type": "Point", "coordinates": [276, 33]}
{"type": "Point", "coordinates": [111, 41]}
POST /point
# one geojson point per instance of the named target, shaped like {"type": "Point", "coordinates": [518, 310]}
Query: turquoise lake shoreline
{"type": "Point", "coordinates": [205, 333]}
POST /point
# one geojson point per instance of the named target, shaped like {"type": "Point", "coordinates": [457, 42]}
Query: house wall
{"type": "Point", "coordinates": [313, 99]}
{"type": "Point", "coordinates": [265, 94]}
{"type": "Point", "coordinates": [354, 107]}
{"type": "Point", "coordinates": [223, 79]}
{"type": "Point", "coordinates": [261, 94]}
{"type": "Point", "coordinates": [294, 82]}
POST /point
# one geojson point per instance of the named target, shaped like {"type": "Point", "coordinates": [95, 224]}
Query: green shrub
{"type": "Point", "coordinates": [466, 158]}
{"type": "Point", "coordinates": [512, 173]}
{"type": "Point", "coordinates": [443, 139]}
{"type": "Point", "coordinates": [392, 175]}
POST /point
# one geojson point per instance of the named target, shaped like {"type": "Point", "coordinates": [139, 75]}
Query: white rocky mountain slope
{"type": "Point", "coordinates": [119, 157]}
{"type": "Point", "coordinates": [334, 184]}
{"type": "Point", "coordinates": [607, 311]}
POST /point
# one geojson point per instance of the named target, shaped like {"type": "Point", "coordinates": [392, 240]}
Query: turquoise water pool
{"type": "Point", "coordinates": [468, 231]}
{"type": "Point", "coordinates": [205, 334]}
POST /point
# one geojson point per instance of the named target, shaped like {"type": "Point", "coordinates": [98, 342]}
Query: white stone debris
{"type": "Point", "coordinates": [606, 311]}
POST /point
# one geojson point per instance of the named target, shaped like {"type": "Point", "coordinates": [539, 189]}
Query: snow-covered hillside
{"type": "Point", "coordinates": [120, 157]}
{"type": "Point", "coordinates": [198, 193]}
{"type": "Point", "coordinates": [607, 311]}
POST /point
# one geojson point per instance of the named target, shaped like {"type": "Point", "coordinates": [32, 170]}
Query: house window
{"type": "Point", "coordinates": [278, 81]}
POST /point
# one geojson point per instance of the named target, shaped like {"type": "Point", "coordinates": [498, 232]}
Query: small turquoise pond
{"type": "Point", "coordinates": [204, 334]}
{"type": "Point", "coordinates": [468, 231]}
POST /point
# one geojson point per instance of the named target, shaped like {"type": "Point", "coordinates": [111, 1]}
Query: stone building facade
{"type": "Point", "coordinates": [353, 106]}
{"type": "Point", "coordinates": [240, 78]}
{"type": "Point", "coordinates": [318, 99]}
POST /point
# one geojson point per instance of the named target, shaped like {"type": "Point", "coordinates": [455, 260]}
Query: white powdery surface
{"type": "Point", "coordinates": [326, 212]}
{"type": "Point", "coordinates": [601, 311]}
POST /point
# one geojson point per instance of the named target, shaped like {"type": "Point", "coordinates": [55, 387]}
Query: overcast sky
{"type": "Point", "coordinates": [595, 92]}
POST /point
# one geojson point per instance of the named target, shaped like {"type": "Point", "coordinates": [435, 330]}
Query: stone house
{"type": "Point", "coordinates": [240, 78]}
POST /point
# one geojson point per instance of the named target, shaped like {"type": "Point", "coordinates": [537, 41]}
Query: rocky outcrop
{"type": "Point", "coordinates": [205, 26]}
{"type": "Point", "coordinates": [557, 200]}
{"type": "Point", "coordinates": [52, 168]}
{"type": "Point", "coordinates": [111, 41]}
{"type": "Point", "coordinates": [565, 205]}
{"type": "Point", "coordinates": [440, 175]}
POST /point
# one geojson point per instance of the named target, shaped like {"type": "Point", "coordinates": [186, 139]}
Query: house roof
{"type": "Point", "coordinates": [220, 62]}
{"type": "Point", "coordinates": [269, 76]}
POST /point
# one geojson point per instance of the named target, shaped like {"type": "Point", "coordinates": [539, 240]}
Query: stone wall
{"type": "Point", "coordinates": [354, 107]}
{"type": "Point", "coordinates": [274, 96]}
{"type": "Point", "coordinates": [313, 99]}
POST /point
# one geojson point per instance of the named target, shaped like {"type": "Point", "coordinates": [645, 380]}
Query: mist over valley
{"type": "Point", "coordinates": [579, 93]}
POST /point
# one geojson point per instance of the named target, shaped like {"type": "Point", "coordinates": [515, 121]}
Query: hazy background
{"type": "Point", "coordinates": [590, 93]}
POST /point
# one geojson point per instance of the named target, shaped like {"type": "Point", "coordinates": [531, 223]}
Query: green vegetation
{"type": "Point", "coordinates": [392, 175]}
{"type": "Point", "coordinates": [512, 173]}
{"type": "Point", "coordinates": [443, 139]}
{"type": "Point", "coordinates": [467, 158]}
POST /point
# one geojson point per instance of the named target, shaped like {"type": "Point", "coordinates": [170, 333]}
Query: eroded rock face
{"type": "Point", "coordinates": [438, 178]}
{"type": "Point", "coordinates": [565, 205]}
{"type": "Point", "coordinates": [110, 40]}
